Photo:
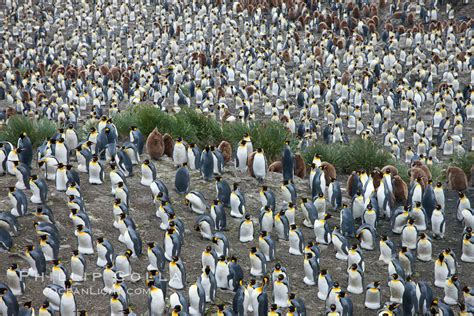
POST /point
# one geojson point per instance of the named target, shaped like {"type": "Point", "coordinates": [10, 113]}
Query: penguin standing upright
{"type": "Point", "coordinates": [182, 179]}
{"type": "Point", "coordinates": [36, 260]}
{"type": "Point", "coordinates": [288, 162]}
{"type": "Point", "coordinates": [223, 191]}
{"type": "Point", "coordinates": [148, 170]}
{"type": "Point", "coordinates": [179, 152]}
{"type": "Point", "coordinates": [372, 296]}
{"type": "Point", "coordinates": [207, 164]}
{"type": "Point", "coordinates": [68, 301]}
{"type": "Point", "coordinates": [241, 157]}
{"type": "Point", "coordinates": [39, 190]}
{"type": "Point", "coordinates": [237, 202]}
{"type": "Point", "coordinates": [259, 165]}
{"type": "Point", "coordinates": [194, 157]}
{"type": "Point", "coordinates": [18, 201]}
{"type": "Point", "coordinates": [78, 266]}
{"type": "Point", "coordinates": [177, 273]}
{"type": "Point", "coordinates": [105, 252]}
{"type": "Point", "coordinates": [96, 171]}
{"type": "Point", "coordinates": [15, 280]}
{"type": "Point", "coordinates": [246, 229]}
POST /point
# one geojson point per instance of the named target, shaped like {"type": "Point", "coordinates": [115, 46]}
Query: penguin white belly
{"type": "Point", "coordinates": [441, 272]}
{"type": "Point", "coordinates": [194, 300]}
{"type": "Point", "coordinates": [53, 298]}
{"type": "Point", "coordinates": [95, 174]}
{"type": "Point", "coordinates": [20, 184]}
{"type": "Point", "coordinates": [179, 154]}
{"type": "Point", "coordinates": [437, 224]}
{"type": "Point", "coordinates": [163, 216]}
{"type": "Point", "coordinates": [355, 285]}
{"type": "Point", "coordinates": [222, 272]}
{"type": "Point", "coordinates": [108, 279]}
{"type": "Point", "coordinates": [450, 293]}
{"type": "Point", "coordinates": [308, 273]}
{"type": "Point", "coordinates": [175, 278]}
{"type": "Point", "coordinates": [267, 222]}
{"type": "Point", "coordinates": [157, 303]}
{"type": "Point", "coordinates": [255, 266]}
{"type": "Point", "coordinates": [234, 205]}
{"type": "Point", "coordinates": [206, 230]}
{"type": "Point", "coordinates": [341, 254]}
{"type": "Point", "coordinates": [242, 158]}
{"type": "Point", "coordinates": [32, 271]}
{"type": "Point", "coordinates": [322, 236]}
{"type": "Point", "coordinates": [323, 288]}
{"type": "Point", "coordinates": [385, 253]}
{"type": "Point", "coordinates": [101, 253]}
{"type": "Point", "coordinates": [294, 244]}
{"type": "Point", "coordinates": [35, 194]}
{"type": "Point", "coordinates": [147, 176]}
{"type": "Point", "coordinates": [61, 154]}
{"type": "Point", "coordinates": [366, 240]}
{"type": "Point", "coordinates": [85, 244]}
{"type": "Point", "coordinates": [396, 291]}
{"type": "Point", "coordinates": [61, 180]}
{"type": "Point", "coordinates": [168, 245]}
{"type": "Point", "coordinates": [81, 163]}
{"type": "Point", "coordinates": [129, 243]}
{"type": "Point", "coordinates": [409, 237]}
{"type": "Point", "coordinates": [206, 285]}
{"type": "Point", "coordinates": [77, 270]}
{"type": "Point", "coordinates": [48, 252]}
{"type": "Point", "coordinates": [467, 251]}
{"type": "Point", "coordinates": [372, 299]}
{"type": "Point", "coordinates": [122, 266]}
{"type": "Point", "coordinates": [280, 294]}
{"type": "Point", "coordinates": [246, 232]}
{"type": "Point", "coordinates": [14, 283]}
{"type": "Point", "coordinates": [264, 248]}
{"type": "Point", "coordinates": [259, 167]}
{"type": "Point", "coordinates": [424, 251]}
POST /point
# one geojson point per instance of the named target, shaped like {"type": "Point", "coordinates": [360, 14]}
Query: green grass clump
{"type": "Point", "coordinates": [366, 154]}
{"type": "Point", "coordinates": [234, 132]}
{"type": "Point", "coordinates": [37, 130]}
{"type": "Point", "coordinates": [204, 130]}
{"type": "Point", "coordinates": [465, 162]}
{"type": "Point", "coordinates": [332, 153]}
{"type": "Point", "coordinates": [270, 136]}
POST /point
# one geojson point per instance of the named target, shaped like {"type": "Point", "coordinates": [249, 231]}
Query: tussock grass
{"type": "Point", "coordinates": [37, 130]}
{"type": "Point", "coordinates": [465, 162]}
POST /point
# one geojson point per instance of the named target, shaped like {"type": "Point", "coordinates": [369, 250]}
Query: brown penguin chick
{"type": "Point", "coordinates": [226, 150]}
{"type": "Point", "coordinates": [154, 145]}
{"type": "Point", "coordinates": [416, 173]}
{"type": "Point", "coordinates": [329, 171]}
{"type": "Point", "coordinates": [393, 170]}
{"type": "Point", "coordinates": [114, 73]}
{"type": "Point", "coordinates": [400, 189]}
{"type": "Point", "coordinates": [276, 166]}
{"type": "Point", "coordinates": [377, 176]}
{"type": "Point", "coordinates": [419, 164]}
{"type": "Point", "coordinates": [457, 179]}
{"type": "Point", "coordinates": [10, 112]}
{"type": "Point", "coordinates": [284, 119]}
{"type": "Point", "coordinates": [350, 181]}
{"type": "Point", "coordinates": [300, 166]}
{"type": "Point", "coordinates": [250, 163]}
{"type": "Point", "coordinates": [168, 144]}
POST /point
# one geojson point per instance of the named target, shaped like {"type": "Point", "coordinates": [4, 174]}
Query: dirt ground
{"type": "Point", "coordinates": [99, 205]}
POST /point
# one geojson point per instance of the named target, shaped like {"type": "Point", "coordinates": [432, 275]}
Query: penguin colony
{"type": "Point", "coordinates": [400, 73]}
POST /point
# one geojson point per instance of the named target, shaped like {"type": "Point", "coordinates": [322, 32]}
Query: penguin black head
{"type": "Point", "coordinates": [34, 177]}
{"type": "Point", "coordinates": [100, 240]}
{"type": "Point", "coordinates": [11, 189]}
{"type": "Point", "coordinates": [235, 185]}
{"type": "Point", "coordinates": [80, 227]}
{"type": "Point", "coordinates": [14, 266]}
{"type": "Point", "coordinates": [43, 237]}
{"type": "Point", "coordinates": [411, 221]}
{"type": "Point", "coordinates": [75, 252]}
{"type": "Point", "coordinates": [128, 253]}
{"type": "Point", "coordinates": [247, 217]}
{"type": "Point", "coordinates": [264, 233]}
{"type": "Point", "coordinates": [151, 244]}
{"type": "Point", "coordinates": [259, 150]}
{"type": "Point", "coordinates": [3, 291]}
